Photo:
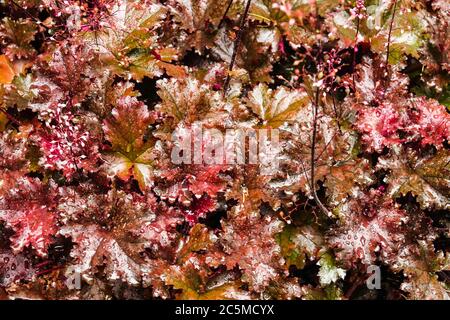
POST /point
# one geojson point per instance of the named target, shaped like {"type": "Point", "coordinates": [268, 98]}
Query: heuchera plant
{"type": "Point", "coordinates": [93, 207]}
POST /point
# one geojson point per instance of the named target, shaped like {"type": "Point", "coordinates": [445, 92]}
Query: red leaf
{"type": "Point", "coordinates": [370, 224]}
{"type": "Point", "coordinates": [379, 126]}
{"type": "Point", "coordinates": [430, 121]}
{"type": "Point", "coordinates": [14, 268]}
{"type": "Point", "coordinates": [27, 207]}
{"type": "Point", "coordinates": [199, 208]}
{"type": "Point", "coordinates": [34, 226]}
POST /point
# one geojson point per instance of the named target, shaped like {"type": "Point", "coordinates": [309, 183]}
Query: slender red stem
{"type": "Point", "coordinates": [10, 117]}
{"type": "Point", "coordinates": [237, 44]}
{"type": "Point", "coordinates": [389, 42]}
{"type": "Point", "coordinates": [225, 14]}
{"type": "Point", "coordinates": [313, 157]}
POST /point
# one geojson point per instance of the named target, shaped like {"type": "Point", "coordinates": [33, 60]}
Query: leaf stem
{"type": "Point", "coordinates": [225, 15]}
{"type": "Point", "coordinates": [335, 110]}
{"type": "Point", "coordinates": [237, 45]}
{"type": "Point", "coordinates": [10, 117]}
{"type": "Point", "coordinates": [29, 14]}
{"type": "Point", "coordinates": [313, 151]}
{"type": "Point", "coordinates": [355, 48]}
{"type": "Point", "coordinates": [389, 42]}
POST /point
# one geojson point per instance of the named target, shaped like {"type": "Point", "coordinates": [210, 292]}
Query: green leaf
{"type": "Point", "coordinates": [129, 45]}
{"type": "Point", "coordinates": [276, 108]}
{"type": "Point", "coordinates": [406, 35]}
{"type": "Point", "coordinates": [190, 283]}
{"type": "Point", "coordinates": [298, 244]}
{"type": "Point", "coordinates": [329, 272]}
{"type": "Point", "coordinates": [330, 292]}
{"type": "Point", "coordinates": [427, 178]}
{"type": "Point", "coordinates": [20, 92]}
{"type": "Point", "coordinates": [131, 151]}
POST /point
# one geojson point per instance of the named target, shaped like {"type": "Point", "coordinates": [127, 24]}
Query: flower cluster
{"type": "Point", "coordinates": [66, 146]}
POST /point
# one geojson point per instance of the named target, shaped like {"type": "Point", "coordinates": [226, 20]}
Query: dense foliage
{"type": "Point", "coordinates": [91, 92]}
